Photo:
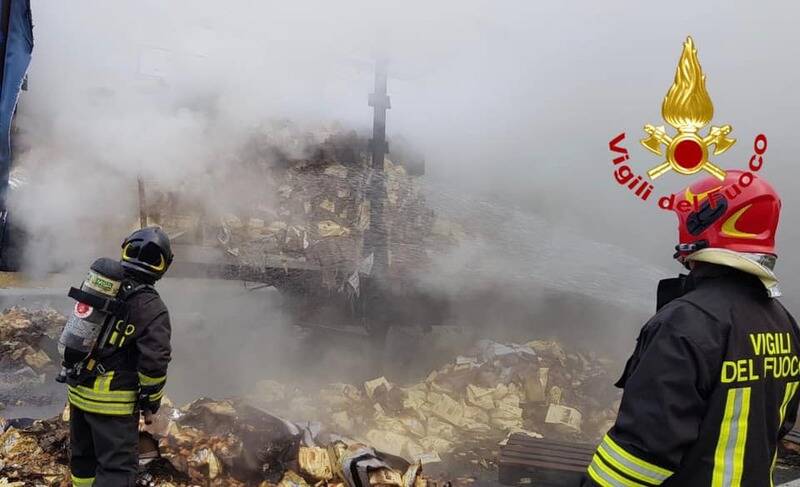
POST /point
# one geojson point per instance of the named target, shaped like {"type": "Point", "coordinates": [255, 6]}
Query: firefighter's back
{"type": "Point", "coordinates": [753, 359]}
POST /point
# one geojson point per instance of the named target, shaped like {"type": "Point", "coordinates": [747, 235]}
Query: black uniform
{"type": "Point", "coordinates": [709, 390]}
{"type": "Point", "coordinates": [128, 374]}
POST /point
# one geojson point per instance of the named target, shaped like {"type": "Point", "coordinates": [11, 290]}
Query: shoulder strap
{"type": "Point", "coordinates": [131, 288]}
{"type": "Point", "coordinates": [128, 289]}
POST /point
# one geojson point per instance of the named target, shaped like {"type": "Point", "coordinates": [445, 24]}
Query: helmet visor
{"type": "Point", "coordinates": [148, 255]}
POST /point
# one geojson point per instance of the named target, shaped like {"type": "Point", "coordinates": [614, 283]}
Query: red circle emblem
{"type": "Point", "coordinates": [83, 310]}
{"type": "Point", "coordinates": [688, 154]}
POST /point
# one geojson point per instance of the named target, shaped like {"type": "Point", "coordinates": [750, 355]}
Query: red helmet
{"type": "Point", "coordinates": [740, 214]}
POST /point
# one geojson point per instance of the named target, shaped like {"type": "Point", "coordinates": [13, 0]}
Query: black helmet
{"type": "Point", "coordinates": [147, 251]}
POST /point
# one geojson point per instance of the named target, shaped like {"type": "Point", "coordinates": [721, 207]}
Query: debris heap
{"type": "Point", "coordinates": [376, 433]}
{"type": "Point", "coordinates": [537, 389]}
{"type": "Point", "coordinates": [27, 338]}
{"type": "Point", "coordinates": [34, 454]}
{"type": "Point", "coordinates": [215, 443]}
{"type": "Point", "coordinates": [28, 352]}
{"type": "Point", "coordinates": [307, 201]}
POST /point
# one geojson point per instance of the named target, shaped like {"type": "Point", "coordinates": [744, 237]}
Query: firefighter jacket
{"type": "Point", "coordinates": [130, 369]}
{"type": "Point", "coordinates": [709, 390]}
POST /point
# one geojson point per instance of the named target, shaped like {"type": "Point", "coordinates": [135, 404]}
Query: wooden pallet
{"type": "Point", "coordinates": [525, 460]}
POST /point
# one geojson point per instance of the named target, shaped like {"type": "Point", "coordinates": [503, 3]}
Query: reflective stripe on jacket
{"type": "Point", "coordinates": [135, 359]}
{"type": "Point", "coordinates": [708, 392]}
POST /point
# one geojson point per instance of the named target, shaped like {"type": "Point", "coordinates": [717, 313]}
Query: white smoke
{"type": "Point", "coordinates": [511, 102]}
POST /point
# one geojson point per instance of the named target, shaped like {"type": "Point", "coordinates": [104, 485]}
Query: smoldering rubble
{"type": "Point", "coordinates": [453, 421]}
{"type": "Point", "coordinates": [373, 433]}
{"type": "Point", "coordinates": [536, 388]}
{"type": "Point", "coordinates": [220, 443]}
{"type": "Point", "coordinates": [28, 353]}
{"type": "Point", "coordinates": [26, 337]}
{"type": "Point", "coordinates": [307, 201]}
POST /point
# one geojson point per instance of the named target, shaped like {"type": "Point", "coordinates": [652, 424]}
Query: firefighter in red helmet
{"type": "Point", "coordinates": [711, 386]}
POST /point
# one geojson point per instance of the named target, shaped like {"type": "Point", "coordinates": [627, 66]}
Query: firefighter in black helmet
{"type": "Point", "coordinates": [126, 374]}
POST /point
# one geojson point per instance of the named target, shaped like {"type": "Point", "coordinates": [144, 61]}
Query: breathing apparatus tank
{"type": "Point", "coordinates": [95, 307]}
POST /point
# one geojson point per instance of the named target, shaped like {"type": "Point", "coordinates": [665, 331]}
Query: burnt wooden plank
{"type": "Point", "coordinates": [521, 438]}
{"type": "Point", "coordinates": [550, 464]}
{"type": "Point", "coordinates": [523, 453]}
{"type": "Point", "coordinates": [545, 446]}
{"type": "Point", "coordinates": [526, 460]}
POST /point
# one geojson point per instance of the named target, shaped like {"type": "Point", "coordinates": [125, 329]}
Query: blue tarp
{"type": "Point", "coordinates": [18, 46]}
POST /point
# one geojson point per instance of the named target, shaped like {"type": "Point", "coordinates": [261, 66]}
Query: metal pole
{"type": "Point", "coordinates": [142, 204]}
{"type": "Point", "coordinates": [376, 240]}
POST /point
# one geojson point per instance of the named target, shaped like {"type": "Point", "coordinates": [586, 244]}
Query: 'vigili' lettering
{"type": "Point", "coordinates": [624, 175]}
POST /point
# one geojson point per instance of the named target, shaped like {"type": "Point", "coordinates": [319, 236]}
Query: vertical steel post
{"type": "Point", "coordinates": [376, 239]}
{"type": "Point", "coordinates": [142, 203]}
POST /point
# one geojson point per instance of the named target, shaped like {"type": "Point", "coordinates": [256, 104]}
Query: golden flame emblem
{"type": "Point", "coordinates": [688, 108]}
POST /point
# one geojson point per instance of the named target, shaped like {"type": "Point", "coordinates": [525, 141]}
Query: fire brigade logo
{"type": "Point", "coordinates": [688, 108]}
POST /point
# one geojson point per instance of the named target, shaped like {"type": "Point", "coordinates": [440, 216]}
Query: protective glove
{"type": "Point", "coordinates": [150, 398]}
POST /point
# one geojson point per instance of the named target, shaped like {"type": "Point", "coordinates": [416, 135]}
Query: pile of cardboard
{"type": "Point", "coordinates": [28, 353]}
{"type": "Point", "coordinates": [373, 433]}
{"type": "Point", "coordinates": [35, 455]}
{"type": "Point", "coordinates": [320, 208]}
{"type": "Point", "coordinates": [27, 338]}
{"type": "Point", "coordinates": [215, 443]}
{"type": "Point", "coordinates": [537, 388]}
{"type": "Point", "coordinates": [306, 197]}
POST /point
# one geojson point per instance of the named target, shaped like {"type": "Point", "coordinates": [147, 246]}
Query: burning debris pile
{"type": "Point", "coordinates": [216, 443]}
{"type": "Point", "coordinates": [538, 389]}
{"type": "Point", "coordinates": [233, 443]}
{"type": "Point", "coordinates": [377, 434]}
{"type": "Point", "coordinates": [307, 201]}
{"type": "Point", "coordinates": [35, 454]}
{"type": "Point", "coordinates": [28, 351]}
{"type": "Point", "coordinates": [26, 338]}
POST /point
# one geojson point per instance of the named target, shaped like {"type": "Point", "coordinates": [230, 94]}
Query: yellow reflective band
{"type": "Point", "coordinates": [653, 471]}
{"type": "Point", "coordinates": [741, 438]}
{"type": "Point", "coordinates": [113, 339]}
{"type": "Point", "coordinates": [597, 478]}
{"type": "Point", "coordinates": [628, 468]}
{"type": "Point", "coordinates": [103, 382]}
{"type": "Point", "coordinates": [121, 341]}
{"type": "Point", "coordinates": [788, 393]}
{"type": "Point", "coordinates": [82, 481]}
{"type": "Point", "coordinates": [725, 428]}
{"type": "Point", "coordinates": [106, 408]}
{"type": "Point", "coordinates": [104, 396]}
{"type": "Point", "coordinates": [599, 470]}
{"type": "Point", "coordinates": [146, 380]}
{"type": "Point", "coordinates": [729, 454]}
{"type": "Point", "coordinates": [157, 396]}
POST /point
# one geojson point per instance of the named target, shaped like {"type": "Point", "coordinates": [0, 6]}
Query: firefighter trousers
{"type": "Point", "coordinates": [103, 449]}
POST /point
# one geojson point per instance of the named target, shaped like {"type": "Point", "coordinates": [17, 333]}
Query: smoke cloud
{"type": "Point", "coordinates": [512, 103]}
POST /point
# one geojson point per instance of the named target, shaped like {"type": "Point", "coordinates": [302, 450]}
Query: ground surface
{"type": "Point", "coordinates": [280, 347]}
